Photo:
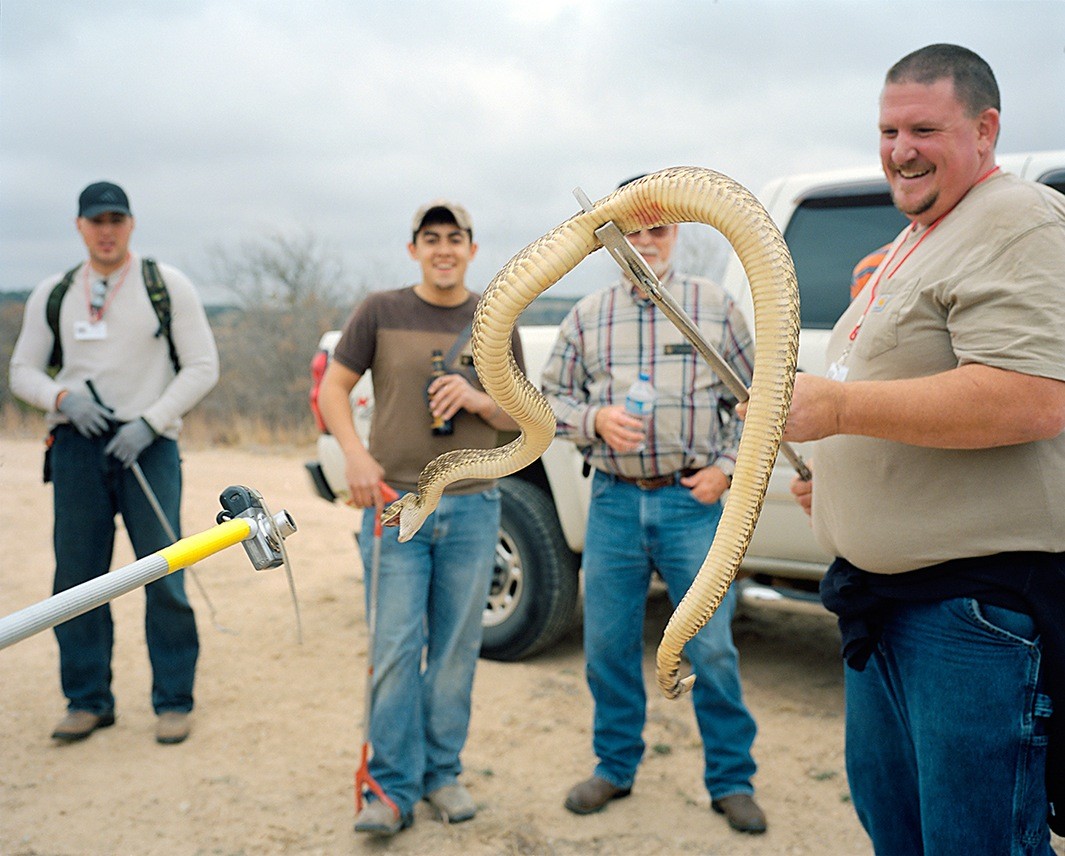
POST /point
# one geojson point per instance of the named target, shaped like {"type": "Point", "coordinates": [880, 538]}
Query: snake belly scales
{"type": "Point", "coordinates": [675, 195]}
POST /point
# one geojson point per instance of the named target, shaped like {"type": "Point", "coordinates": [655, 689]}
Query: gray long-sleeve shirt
{"type": "Point", "coordinates": [129, 365]}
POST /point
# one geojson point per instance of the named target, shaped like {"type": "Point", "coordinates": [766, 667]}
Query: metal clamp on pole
{"type": "Point", "coordinates": [247, 521]}
{"type": "Point", "coordinates": [266, 546]}
{"type": "Point", "coordinates": [636, 268]}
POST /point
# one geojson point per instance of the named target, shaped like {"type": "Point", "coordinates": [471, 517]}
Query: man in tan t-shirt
{"type": "Point", "coordinates": [940, 483]}
{"type": "Point", "coordinates": [432, 590]}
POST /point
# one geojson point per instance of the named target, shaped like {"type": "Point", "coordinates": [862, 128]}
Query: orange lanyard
{"type": "Point", "coordinates": [898, 246]}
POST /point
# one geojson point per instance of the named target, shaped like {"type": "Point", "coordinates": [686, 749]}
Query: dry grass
{"type": "Point", "coordinates": [199, 432]}
{"type": "Point", "coordinates": [21, 423]}
{"type": "Point", "coordinates": [251, 433]}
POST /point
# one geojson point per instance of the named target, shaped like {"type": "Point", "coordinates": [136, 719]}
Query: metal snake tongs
{"type": "Point", "coordinates": [634, 266]}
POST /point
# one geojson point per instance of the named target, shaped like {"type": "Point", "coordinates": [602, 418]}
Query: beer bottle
{"type": "Point", "coordinates": [441, 427]}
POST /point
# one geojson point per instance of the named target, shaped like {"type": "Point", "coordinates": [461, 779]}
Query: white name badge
{"type": "Point", "coordinates": [836, 371]}
{"type": "Point", "coordinates": [90, 331]}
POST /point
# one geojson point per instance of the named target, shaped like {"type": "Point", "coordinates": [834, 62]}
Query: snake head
{"type": "Point", "coordinates": [678, 687]}
{"type": "Point", "coordinates": [408, 513]}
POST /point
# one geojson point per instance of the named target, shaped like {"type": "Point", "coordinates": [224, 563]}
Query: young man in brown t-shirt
{"type": "Point", "coordinates": [432, 589]}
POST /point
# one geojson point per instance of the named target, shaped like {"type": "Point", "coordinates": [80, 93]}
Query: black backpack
{"type": "Point", "coordinates": [157, 293]}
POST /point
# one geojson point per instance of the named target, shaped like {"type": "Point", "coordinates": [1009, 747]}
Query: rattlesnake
{"type": "Point", "coordinates": [680, 194]}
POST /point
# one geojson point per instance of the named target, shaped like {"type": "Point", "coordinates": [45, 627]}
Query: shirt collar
{"type": "Point", "coordinates": [638, 296]}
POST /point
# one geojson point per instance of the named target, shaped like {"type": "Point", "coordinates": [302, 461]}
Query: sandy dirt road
{"type": "Point", "coordinates": [269, 766]}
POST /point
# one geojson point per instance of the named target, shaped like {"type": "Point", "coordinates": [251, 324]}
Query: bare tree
{"type": "Point", "coordinates": [282, 270]}
{"type": "Point", "coordinates": [11, 311]}
{"type": "Point", "coordinates": [290, 289]}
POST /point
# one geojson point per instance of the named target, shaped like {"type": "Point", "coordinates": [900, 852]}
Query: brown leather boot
{"type": "Point", "coordinates": [592, 795]}
{"type": "Point", "coordinates": [742, 813]}
{"type": "Point", "coordinates": [172, 727]}
{"type": "Point", "coordinates": [79, 724]}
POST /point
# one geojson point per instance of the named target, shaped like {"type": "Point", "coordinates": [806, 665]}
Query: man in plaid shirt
{"type": "Point", "coordinates": [656, 503]}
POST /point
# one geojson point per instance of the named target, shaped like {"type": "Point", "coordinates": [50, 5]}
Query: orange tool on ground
{"type": "Point", "coordinates": [363, 780]}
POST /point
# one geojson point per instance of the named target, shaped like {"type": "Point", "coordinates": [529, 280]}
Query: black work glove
{"type": "Point", "coordinates": [89, 418]}
{"type": "Point", "coordinates": [129, 441]}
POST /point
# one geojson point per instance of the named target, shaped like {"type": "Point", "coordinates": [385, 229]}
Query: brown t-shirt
{"type": "Point", "coordinates": [393, 334]}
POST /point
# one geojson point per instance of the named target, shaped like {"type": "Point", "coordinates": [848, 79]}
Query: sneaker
{"type": "Point", "coordinates": [453, 803]}
{"type": "Point", "coordinates": [377, 818]}
{"type": "Point", "coordinates": [172, 727]}
{"type": "Point", "coordinates": [79, 724]}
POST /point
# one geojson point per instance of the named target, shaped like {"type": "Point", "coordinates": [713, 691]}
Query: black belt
{"type": "Point", "coordinates": [656, 482]}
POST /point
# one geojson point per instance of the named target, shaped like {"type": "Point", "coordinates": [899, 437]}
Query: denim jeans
{"type": "Point", "coordinates": [632, 532]}
{"type": "Point", "coordinates": [946, 748]}
{"type": "Point", "coordinates": [431, 596]}
{"type": "Point", "coordinates": [90, 488]}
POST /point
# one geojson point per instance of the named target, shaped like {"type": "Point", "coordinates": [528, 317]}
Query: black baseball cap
{"type": "Point", "coordinates": [101, 198]}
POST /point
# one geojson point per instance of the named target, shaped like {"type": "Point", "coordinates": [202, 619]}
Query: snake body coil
{"type": "Point", "coordinates": [680, 194]}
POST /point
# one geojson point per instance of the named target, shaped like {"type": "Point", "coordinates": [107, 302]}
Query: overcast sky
{"type": "Point", "coordinates": [226, 120]}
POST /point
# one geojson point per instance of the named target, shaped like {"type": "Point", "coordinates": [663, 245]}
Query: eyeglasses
{"type": "Point", "coordinates": [656, 232]}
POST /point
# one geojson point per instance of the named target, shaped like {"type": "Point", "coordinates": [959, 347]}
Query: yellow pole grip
{"type": "Point", "coordinates": [190, 550]}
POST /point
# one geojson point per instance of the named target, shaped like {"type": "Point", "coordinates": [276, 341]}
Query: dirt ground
{"type": "Point", "coordinates": [277, 727]}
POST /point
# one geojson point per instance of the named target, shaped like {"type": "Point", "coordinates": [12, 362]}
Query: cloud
{"type": "Point", "coordinates": [225, 119]}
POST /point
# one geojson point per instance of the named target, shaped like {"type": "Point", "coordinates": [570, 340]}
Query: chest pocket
{"type": "Point", "coordinates": [880, 330]}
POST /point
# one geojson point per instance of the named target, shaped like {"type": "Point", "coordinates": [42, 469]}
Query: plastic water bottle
{"type": "Point", "coordinates": [640, 402]}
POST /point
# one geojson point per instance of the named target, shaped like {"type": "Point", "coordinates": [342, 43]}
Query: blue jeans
{"type": "Point", "coordinates": [431, 596]}
{"type": "Point", "coordinates": [632, 532]}
{"type": "Point", "coordinates": [90, 488]}
{"type": "Point", "coordinates": [946, 748]}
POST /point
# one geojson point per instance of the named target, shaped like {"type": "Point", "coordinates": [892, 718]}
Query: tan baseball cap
{"type": "Point", "coordinates": [460, 214]}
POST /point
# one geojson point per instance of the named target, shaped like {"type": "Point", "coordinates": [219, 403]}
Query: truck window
{"type": "Point", "coordinates": [829, 232]}
{"type": "Point", "coordinates": [1055, 179]}
{"type": "Point", "coordinates": [547, 310]}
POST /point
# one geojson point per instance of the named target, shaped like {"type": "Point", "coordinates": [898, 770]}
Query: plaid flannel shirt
{"type": "Point", "coordinates": [613, 335]}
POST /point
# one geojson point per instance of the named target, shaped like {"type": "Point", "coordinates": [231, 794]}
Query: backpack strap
{"type": "Point", "coordinates": [160, 298]}
{"type": "Point", "coordinates": [51, 314]}
{"type": "Point", "coordinates": [157, 294]}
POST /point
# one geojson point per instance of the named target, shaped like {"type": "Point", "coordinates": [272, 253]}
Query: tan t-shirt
{"type": "Point", "coordinates": [986, 286]}
{"type": "Point", "coordinates": [394, 333]}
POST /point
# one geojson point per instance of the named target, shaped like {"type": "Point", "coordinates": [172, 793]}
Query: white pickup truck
{"type": "Point", "coordinates": [830, 220]}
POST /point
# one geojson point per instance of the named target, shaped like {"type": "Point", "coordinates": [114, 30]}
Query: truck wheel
{"type": "Point", "coordinates": [534, 583]}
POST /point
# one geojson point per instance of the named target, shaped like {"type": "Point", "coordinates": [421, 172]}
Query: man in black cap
{"type": "Point", "coordinates": [115, 352]}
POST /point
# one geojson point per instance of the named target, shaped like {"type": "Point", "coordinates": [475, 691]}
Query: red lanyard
{"type": "Point", "coordinates": [898, 246]}
{"type": "Point", "coordinates": [97, 313]}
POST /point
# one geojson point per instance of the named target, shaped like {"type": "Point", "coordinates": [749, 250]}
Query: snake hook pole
{"type": "Point", "coordinates": [245, 519]}
{"type": "Point", "coordinates": [636, 268]}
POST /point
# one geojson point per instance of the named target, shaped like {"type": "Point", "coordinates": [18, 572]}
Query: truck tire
{"type": "Point", "coordinates": [534, 590]}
